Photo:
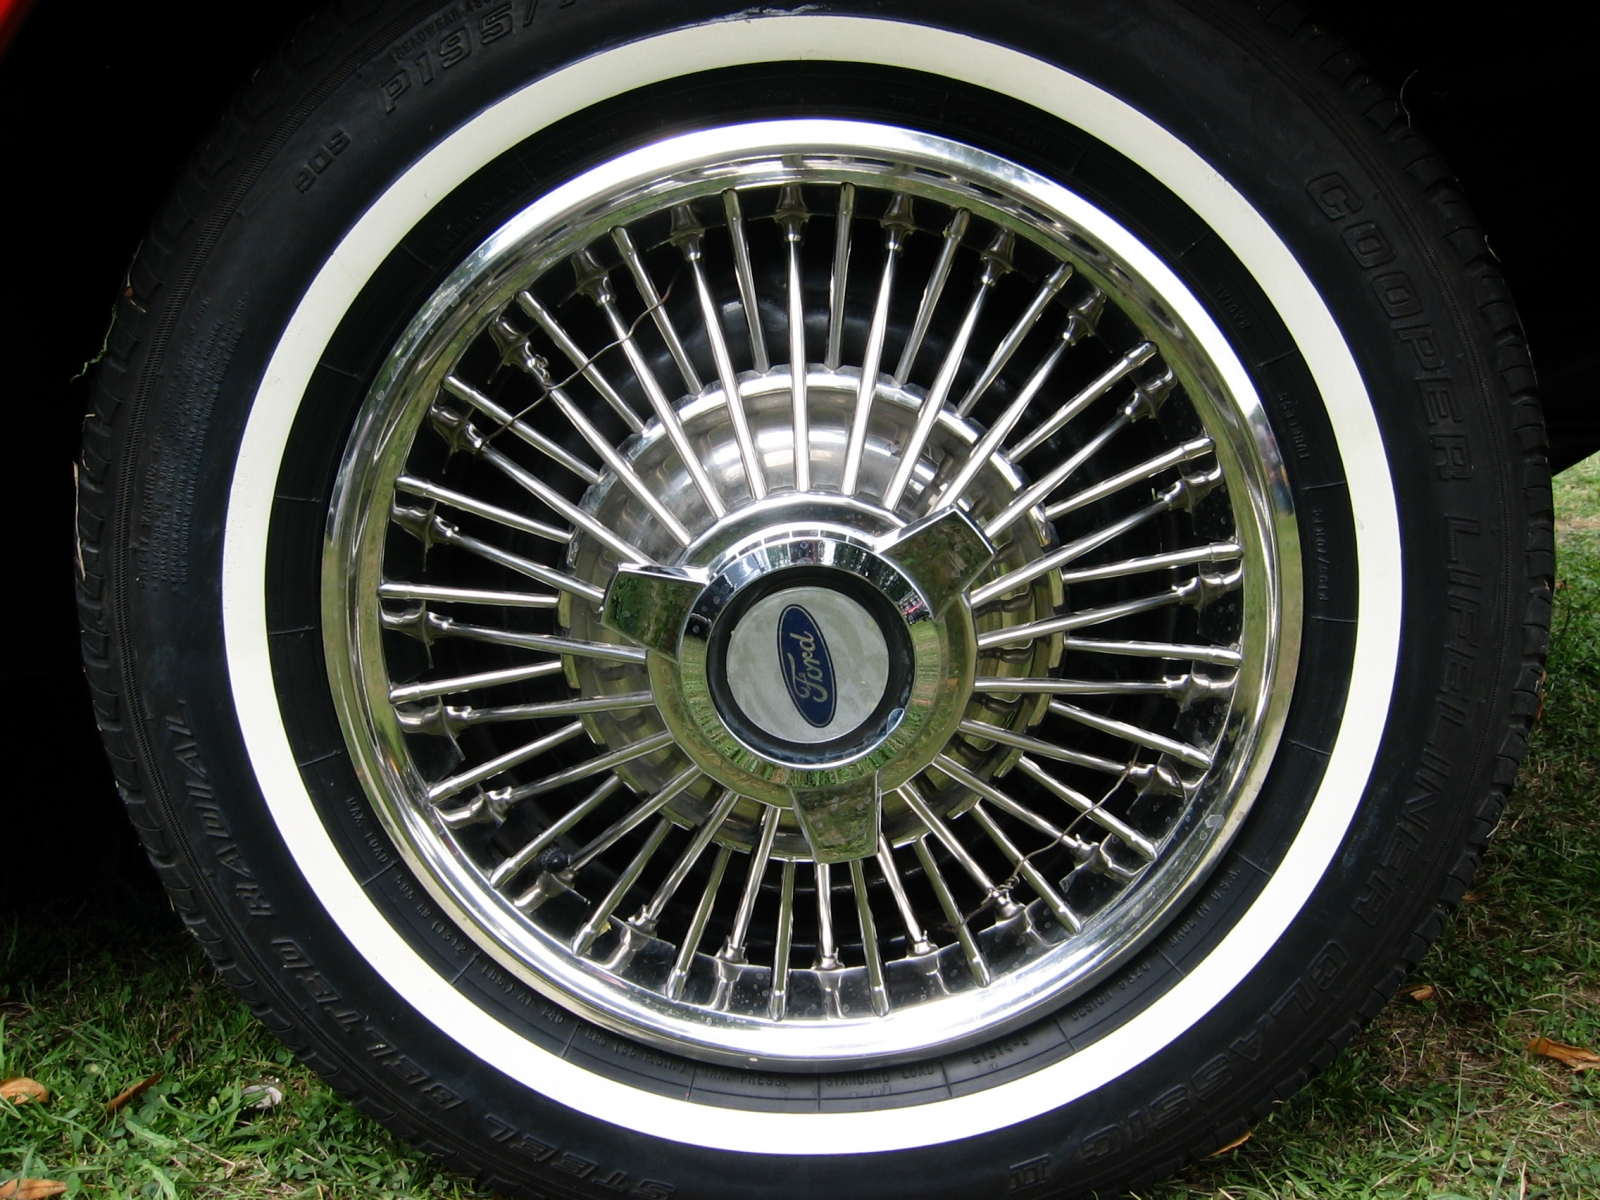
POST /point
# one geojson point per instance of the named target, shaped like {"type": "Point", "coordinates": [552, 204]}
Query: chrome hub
{"type": "Point", "coordinates": [742, 673]}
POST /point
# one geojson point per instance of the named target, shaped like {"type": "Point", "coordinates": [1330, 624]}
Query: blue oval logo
{"type": "Point", "coordinates": [807, 667]}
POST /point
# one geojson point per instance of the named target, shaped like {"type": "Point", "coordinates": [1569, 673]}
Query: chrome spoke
{"type": "Point", "coordinates": [614, 461]}
{"type": "Point", "coordinates": [915, 934]}
{"type": "Point", "coordinates": [747, 280]}
{"type": "Point", "coordinates": [478, 508]}
{"type": "Point", "coordinates": [953, 916]}
{"type": "Point", "coordinates": [996, 263]}
{"type": "Point", "coordinates": [869, 939]}
{"type": "Point", "coordinates": [1113, 375]}
{"type": "Point", "coordinates": [1001, 800]}
{"type": "Point", "coordinates": [1018, 634]}
{"type": "Point", "coordinates": [536, 487]}
{"type": "Point", "coordinates": [840, 274]}
{"type": "Point", "coordinates": [594, 766]}
{"type": "Point", "coordinates": [897, 227]}
{"type": "Point", "coordinates": [1165, 461]}
{"type": "Point", "coordinates": [1030, 874]}
{"type": "Point", "coordinates": [989, 443]}
{"type": "Point", "coordinates": [947, 838]}
{"type": "Point", "coordinates": [1222, 656]}
{"type": "Point", "coordinates": [471, 683]}
{"type": "Point", "coordinates": [391, 589]}
{"type": "Point", "coordinates": [448, 720]}
{"type": "Point", "coordinates": [1022, 741]}
{"type": "Point", "coordinates": [1183, 493]}
{"type": "Point", "coordinates": [501, 763]}
{"type": "Point", "coordinates": [1181, 751]}
{"type": "Point", "coordinates": [1214, 552]}
{"type": "Point", "coordinates": [792, 216]}
{"type": "Point", "coordinates": [632, 819]}
{"type": "Point", "coordinates": [650, 914]}
{"type": "Point", "coordinates": [733, 950]}
{"type": "Point", "coordinates": [529, 852]}
{"type": "Point", "coordinates": [1053, 283]}
{"type": "Point", "coordinates": [1140, 844]}
{"type": "Point", "coordinates": [657, 308]}
{"type": "Point", "coordinates": [595, 282]}
{"type": "Point", "coordinates": [690, 238]}
{"type": "Point", "coordinates": [782, 939]}
{"type": "Point", "coordinates": [937, 278]}
{"type": "Point", "coordinates": [464, 391]}
{"type": "Point", "coordinates": [448, 627]}
{"type": "Point", "coordinates": [1037, 492]}
{"type": "Point", "coordinates": [827, 947]}
{"type": "Point", "coordinates": [437, 529]}
{"type": "Point", "coordinates": [534, 307]}
{"type": "Point", "coordinates": [600, 921]}
{"type": "Point", "coordinates": [679, 975]}
{"type": "Point", "coordinates": [1183, 688]}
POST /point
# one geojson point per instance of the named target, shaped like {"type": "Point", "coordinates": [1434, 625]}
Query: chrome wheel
{"type": "Point", "coordinates": [826, 757]}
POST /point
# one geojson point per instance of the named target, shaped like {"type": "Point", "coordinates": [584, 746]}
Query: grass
{"type": "Point", "coordinates": [1436, 1100]}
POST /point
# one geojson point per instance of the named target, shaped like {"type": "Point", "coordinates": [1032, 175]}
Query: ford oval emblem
{"type": "Point", "coordinates": [806, 665]}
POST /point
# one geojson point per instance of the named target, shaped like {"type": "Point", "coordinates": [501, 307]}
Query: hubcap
{"type": "Point", "coordinates": [799, 595]}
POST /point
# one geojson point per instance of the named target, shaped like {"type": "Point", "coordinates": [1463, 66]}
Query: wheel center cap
{"type": "Point", "coordinates": [818, 665]}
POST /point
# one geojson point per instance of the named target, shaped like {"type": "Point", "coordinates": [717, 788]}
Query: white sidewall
{"type": "Point", "coordinates": [710, 47]}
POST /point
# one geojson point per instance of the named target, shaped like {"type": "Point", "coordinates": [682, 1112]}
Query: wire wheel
{"type": "Point", "coordinates": [795, 596]}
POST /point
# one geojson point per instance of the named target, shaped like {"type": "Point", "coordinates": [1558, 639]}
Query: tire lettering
{"type": "Point", "coordinates": [1212, 1077]}
{"type": "Point", "coordinates": [573, 1164]}
{"type": "Point", "coordinates": [202, 802]}
{"type": "Point", "coordinates": [1420, 340]}
{"type": "Point", "coordinates": [294, 961]}
{"type": "Point", "coordinates": [255, 902]}
{"type": "Point", "coordinates": [393, 88]}
{"type": "Point", "coordinates": [1439, 401]}
{"type": "Point", "coordinates": [1181, 1100]}
{"type": "Point", "coordinates": [1452, 458]}
{"type": "Point", "coordinates": [1367, 243]}
{"type": "Point", "coordinates": [496, 24]}
{"type": "Point", "coordinates": [335, 144]}
{"type": "Point", "coordinates": [1235, 312]}
{"type": "Point", "coordinates": [1293, 427]}
{"type": "Point", "coordinates": [1395, 294]}
{"type": "Point", "coordinates": [450, 37]}
{"type": "Point", "coordinates": [1029, 1174]}
{"type": "Point", "coordinates": [1400, 301]}
{"type": "Point", "coordinates": [1336, 198]}
{"type": "Point", "coordinates": [537, 1150]}
{"type": "Point", "coordinates": [453, 48]}
{"type": "Point", "coordinates": [1323, 555]}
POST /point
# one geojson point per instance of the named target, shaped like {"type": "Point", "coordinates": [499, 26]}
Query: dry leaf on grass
{"type": "Point", "coordinates": [1233, 1145]}
{"type": "Point", "coordinates": [1421, 992]}
{"type": "Point", "coordinates": [1576, 1057]}
{"type": "Point", "coordinates": [1473, 897]}
{"type": "Point", "coordinates": [22, 1089]}
{"type": "Point", "coordinates": [129, 1093]}
{"type": "Point", "coordinates": [31, 1189]}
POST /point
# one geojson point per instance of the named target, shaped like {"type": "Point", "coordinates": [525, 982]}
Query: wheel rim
{"type": "Point", "coordinates": [592, 756]}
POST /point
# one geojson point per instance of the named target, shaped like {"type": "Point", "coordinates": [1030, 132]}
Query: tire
{"type": "Point", "coordinates": [1328, 326]}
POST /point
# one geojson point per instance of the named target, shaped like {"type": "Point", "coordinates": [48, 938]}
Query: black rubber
{"type": "Point", "coordinates": [1358, 194]}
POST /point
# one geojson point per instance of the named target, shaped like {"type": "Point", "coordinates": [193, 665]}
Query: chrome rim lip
{"type": "Point", "coordinates": [520, 251]}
